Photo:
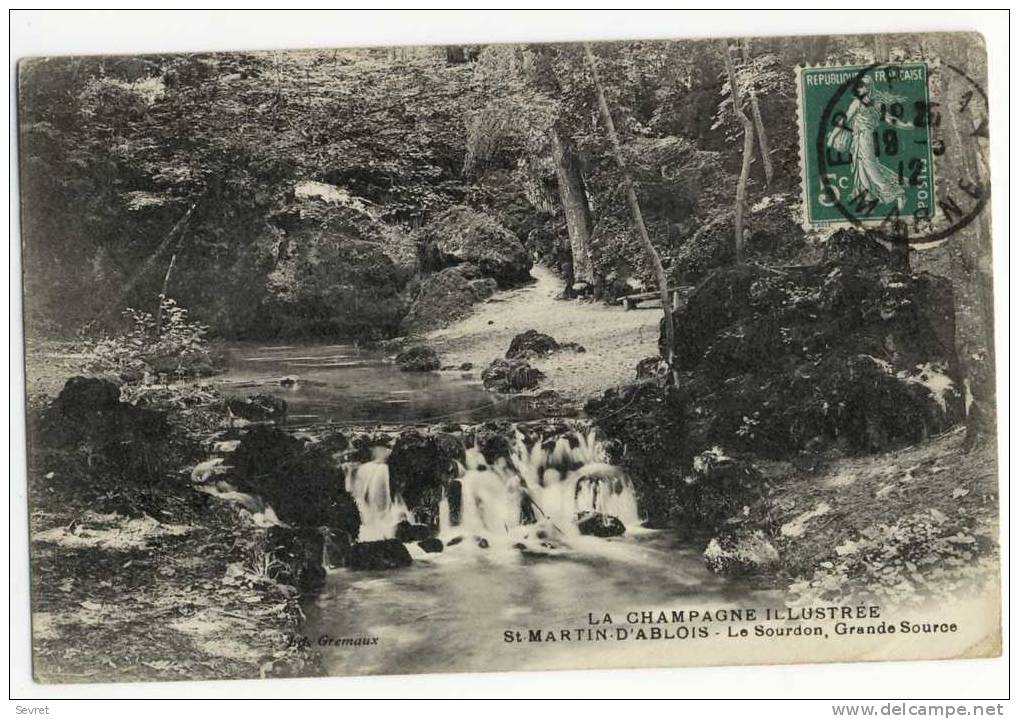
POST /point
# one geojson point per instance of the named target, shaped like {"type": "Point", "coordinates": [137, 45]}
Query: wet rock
{"type": "Point", "coordinates": [418, 359]}
{"type": "Point", "coordinates": [466, 366]}
{"type": "Point", "coordinates": [596, 524]}
{"type": "Point", "coordinates": [365, 446]}
{"type": "Point", "coordinates": [510, 376]}
{"type": "Point", "coordinates": [258, 407]}
{"type": "Point", "coordinates": [383, 554]}
{"type": "Point", "coordinates": [298, 480]}
{"type": "Point", "coordinates": [454, 541]}
{"type": "Point", "coordinates": [492, 439]}
{"type": "Point", "coordinates": [740, 553]}
{"type": "Point", "coordinates": [420, 465]}
{"type": "Point", "coordinates": [481, 542]}
{"type": "Point", "coordinates": [336, 547]}
{"type": "Point", "coordinates": [333, 440]}
{"type": "Point", "coordinates": [297, 553]}
{"type": "Point", "coordinates": [432, 545]}
{"type": "Point", "coordinates": [289, 381]}
{"type": "Point", "coordinates": [464, 235]}
{"type": "Point", "coordinates": [407, 532]}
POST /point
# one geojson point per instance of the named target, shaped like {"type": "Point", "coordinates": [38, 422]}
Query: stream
{"type": "Point", "coordinates": [343, 384]}
{"type": "Point", "coordinates": [501, 574]}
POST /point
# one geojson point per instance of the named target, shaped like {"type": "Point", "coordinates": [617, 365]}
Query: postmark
{"type": "Point", "coordinates": [871, 141]}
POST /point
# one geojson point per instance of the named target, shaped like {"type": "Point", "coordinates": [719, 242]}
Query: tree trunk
{"type": "Point", "coordinates": [570, 180]}
{"type": "Point", "coordinates": [762, 137]}
{"type": "Point", "coordinates": [631, 199]}
{"type": "Point", "coordinates": [748, 151]}
{"type": "Point", "coordinates": [573, 196]}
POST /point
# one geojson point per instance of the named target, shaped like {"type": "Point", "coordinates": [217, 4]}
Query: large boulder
{"type": "Point", "coordinates": [646, 424]}
{"type": "Point", "coordinates": [510, 376]}
{"type": "Point", "coordinates": [299, 480]}
{"type": "Point", "coordinates": [847, 352]}
{"type": "Point", "coordinates": [382, 554]}
{"type": "Point", "coordinates": [418, 359]}
{"type": "Point", "coordinates": [445, 297]}
{"type": "Point", "coordinates": [420, 465]}
{"type": "Point", "coordinates": [329, 285]}
{"type": "Point", "coordinates": [464, 235]}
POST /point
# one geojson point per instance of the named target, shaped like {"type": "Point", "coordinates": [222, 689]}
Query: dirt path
{"type": "Point", "coordinates": [615, 340]}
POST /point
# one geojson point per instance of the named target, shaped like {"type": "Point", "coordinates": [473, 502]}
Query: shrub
{"type": "Point", "coordinates": [168, 344]}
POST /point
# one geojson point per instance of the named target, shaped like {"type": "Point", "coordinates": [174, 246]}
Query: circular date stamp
{"type": "Point", "coordinates": [872, 142]}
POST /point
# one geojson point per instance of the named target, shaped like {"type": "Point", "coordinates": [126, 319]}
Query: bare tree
{"type": "Point", "coordinates": [748, 150]}
{"type": "Point", "coordinates": [631, 198]}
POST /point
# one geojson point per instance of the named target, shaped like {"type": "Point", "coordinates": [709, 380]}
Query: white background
{"type": "Point", "coordinates": [118, 31]}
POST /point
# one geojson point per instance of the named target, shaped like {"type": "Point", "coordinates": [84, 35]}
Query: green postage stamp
{"type": "Point", "coordinates": [866, 146]}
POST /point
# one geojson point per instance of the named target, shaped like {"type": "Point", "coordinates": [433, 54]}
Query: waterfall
{"type": "Point", "coordinates": [545, 488]}
{"type": "Point", "coordinates": [536, 495]}
{"type": "Point", "coordinates": [368, 484]}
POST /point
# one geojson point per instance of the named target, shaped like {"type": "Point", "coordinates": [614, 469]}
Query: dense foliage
{"type": "Point", "coordinates": [250, 183]}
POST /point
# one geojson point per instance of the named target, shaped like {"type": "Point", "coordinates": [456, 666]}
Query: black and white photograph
{"type": "Point", "coordinates": [502, 357]}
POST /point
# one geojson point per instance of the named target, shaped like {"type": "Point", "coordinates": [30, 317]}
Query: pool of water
{"type": "Point", "coordinates": [347, 385]}
{"type": "Point", "coordinates": [449, 612]}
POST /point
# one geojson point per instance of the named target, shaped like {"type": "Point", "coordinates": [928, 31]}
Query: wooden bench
{"type": "Point", "coordinates": [631, 301]}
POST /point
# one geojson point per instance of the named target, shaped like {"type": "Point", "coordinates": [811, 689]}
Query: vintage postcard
{"type": "Point", "coordinates": [509, 357]}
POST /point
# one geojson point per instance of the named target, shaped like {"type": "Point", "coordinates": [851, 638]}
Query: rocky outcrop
{"type": "Point", "coordinates": [418, 359]}
{"type": "Point", "coordinates": [420, 465]}
{"type": "Point", "coordinates": [330, 285]}
{"type": "Point", "coordinates": [446, 296]}
{"type": "Point", "coordinates": [849, 353]}
{"type": "Point", "coordinates": [298, 480]}
{"type": "Point", "coordinates": [462, 235]}
{"type": "Point", "coordinates": [383, 554]}
{"type": "Point", "coordinates": [510, 376]}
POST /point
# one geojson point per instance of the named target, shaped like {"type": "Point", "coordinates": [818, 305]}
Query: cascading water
{"type": "Point", "coordinates": [368, 484]}
{"type": "Point", "coordinates": [541, 495]}
{"type": "Point", "coordinates": [538, 495]}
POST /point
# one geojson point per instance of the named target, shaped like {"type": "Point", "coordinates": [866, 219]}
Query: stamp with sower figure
{"type": "Point", "coordinates": [869, 142]}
